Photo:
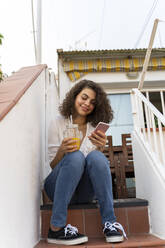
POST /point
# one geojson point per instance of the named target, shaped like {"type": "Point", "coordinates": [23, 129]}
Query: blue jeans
{"type": "Point", "coordinates": [79, 179]}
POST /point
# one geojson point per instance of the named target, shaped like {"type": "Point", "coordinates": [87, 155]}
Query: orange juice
{"type": "Point", "coordinates": [76, 142]}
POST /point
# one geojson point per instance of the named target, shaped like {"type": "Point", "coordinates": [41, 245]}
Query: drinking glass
{"type": "Point", "coordinates": [72, 131]}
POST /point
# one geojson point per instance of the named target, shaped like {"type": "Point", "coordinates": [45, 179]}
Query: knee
{"type": "Point", "coordinates": [96, 156]}
{"type": "Point", "coordinates": [97, 160]}
{"type": "Point", "coordinates": [75, 158]}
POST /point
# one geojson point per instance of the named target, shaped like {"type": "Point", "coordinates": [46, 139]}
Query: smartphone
{"type": "Point", "coordinates": [102, 126]}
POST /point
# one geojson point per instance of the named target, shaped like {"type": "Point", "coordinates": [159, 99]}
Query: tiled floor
{"type": "Point", "coordinates": [137, 241]}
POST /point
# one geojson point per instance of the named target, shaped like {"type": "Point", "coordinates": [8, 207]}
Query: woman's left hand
{"type": "Point", "coordinates": [98, 139]}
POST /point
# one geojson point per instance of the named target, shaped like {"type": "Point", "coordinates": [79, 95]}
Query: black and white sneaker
{"type": "Point", "coordinates": [112, 234]}
{"type": "Point", "coordinates": [66, 236]}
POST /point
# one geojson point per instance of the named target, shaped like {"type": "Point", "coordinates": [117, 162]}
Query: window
{"type": "Point", "coordinates": [122, 122]}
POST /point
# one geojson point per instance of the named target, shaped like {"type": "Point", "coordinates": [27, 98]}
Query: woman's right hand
{"type": "Point", "coordinates": [65, 147]}
{"type": "Point", "coordinates": [68, 146]}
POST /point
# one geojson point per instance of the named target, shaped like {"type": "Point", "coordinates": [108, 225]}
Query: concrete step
{"type": "Point", "coordinates": [131, 213]}
{"type": "Point", "coordinates": [137, 240]}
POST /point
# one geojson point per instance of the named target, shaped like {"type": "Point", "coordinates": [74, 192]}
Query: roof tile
{"type": "Point", "coordinates": [13, 87]}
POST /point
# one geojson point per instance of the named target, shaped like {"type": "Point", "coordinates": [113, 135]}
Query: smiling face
{"type": "Point", "coordinates": [85, 102]}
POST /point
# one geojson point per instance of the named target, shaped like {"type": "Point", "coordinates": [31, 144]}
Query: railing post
{"type": "Point", "coordinates": [148, 122]}
{"type": "Point", "coordinates": [161, 141]}
{"type": "Point", "coordinates": [162, 102]}
{"type": "Point", "coordinates": [148, 53]}
{"type": "Point", "coordinates": [135, 110]}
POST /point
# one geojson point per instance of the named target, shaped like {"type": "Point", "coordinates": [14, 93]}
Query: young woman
{"type": "Point", "coordinates": [79, 176]}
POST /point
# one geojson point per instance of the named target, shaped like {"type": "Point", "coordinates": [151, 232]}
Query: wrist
{"type": "Point", "coordinates": [61, 150]}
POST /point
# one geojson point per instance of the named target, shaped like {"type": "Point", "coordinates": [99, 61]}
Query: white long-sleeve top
{"type": "Point", "coordinates": [55, 137]}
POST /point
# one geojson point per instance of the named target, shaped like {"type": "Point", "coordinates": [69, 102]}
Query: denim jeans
{"type": "Point", "coordinates": [79, 179]}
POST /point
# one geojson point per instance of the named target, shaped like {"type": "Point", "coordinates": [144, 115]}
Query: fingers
{"type": "Point", "coordinates": [67, 145]}
{"type": "Point", "coordinates": [96, 142]}
{"type": "Point", "coordinates": [98, 138]}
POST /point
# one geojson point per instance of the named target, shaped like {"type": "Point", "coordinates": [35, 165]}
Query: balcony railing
{"type": "Point", "coordinates": [149, 124]}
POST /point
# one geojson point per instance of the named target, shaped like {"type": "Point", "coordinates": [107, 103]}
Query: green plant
{"type": "Point", "coordinates": [1, 74]}
{"type": "Point", "coordinates": [1, 37]}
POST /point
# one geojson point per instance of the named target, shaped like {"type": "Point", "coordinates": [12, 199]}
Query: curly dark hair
{"type": "Point", "coordinates": [102, 110]}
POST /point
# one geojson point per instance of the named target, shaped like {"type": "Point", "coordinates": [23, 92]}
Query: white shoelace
{"type": "Point", "coordinates": [113, 226]}
{"type": "Point", "coordinates": [70, 229]}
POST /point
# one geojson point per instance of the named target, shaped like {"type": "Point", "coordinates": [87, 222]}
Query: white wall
{"type": "Point", "coordinates": [150, 185]}
{"type": "Point", "coordinates": [64, 82]}
{"type": "Point", "coordinates": [22, 149]}
{"type": "Point", "coordinates": [121, 77]}
{"type": "Point", "coordinates": [52, 104]}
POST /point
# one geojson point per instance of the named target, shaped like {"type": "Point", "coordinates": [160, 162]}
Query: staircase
{"type": "Point", "coordinates": [131, 213]}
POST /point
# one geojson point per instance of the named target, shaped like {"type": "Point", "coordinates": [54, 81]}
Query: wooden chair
{"type": "Point", "coordinates": [127, 148]}
{"type": "Point", "coordinates": [115, 156]}
{"type": "Point", "coordinates": [121, 165]}
{"type": "Point", "coordinates": [129, 167]}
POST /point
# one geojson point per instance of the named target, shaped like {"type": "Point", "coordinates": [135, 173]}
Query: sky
{"type": "Point", "coordinates": [76, 25]}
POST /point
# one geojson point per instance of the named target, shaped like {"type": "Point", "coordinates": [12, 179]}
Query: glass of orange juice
{"type": "Point", "coordinates": [72, 131]}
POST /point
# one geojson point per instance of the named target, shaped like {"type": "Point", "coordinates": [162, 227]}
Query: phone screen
{"type": "Point", "coordinates": [102, 127]}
